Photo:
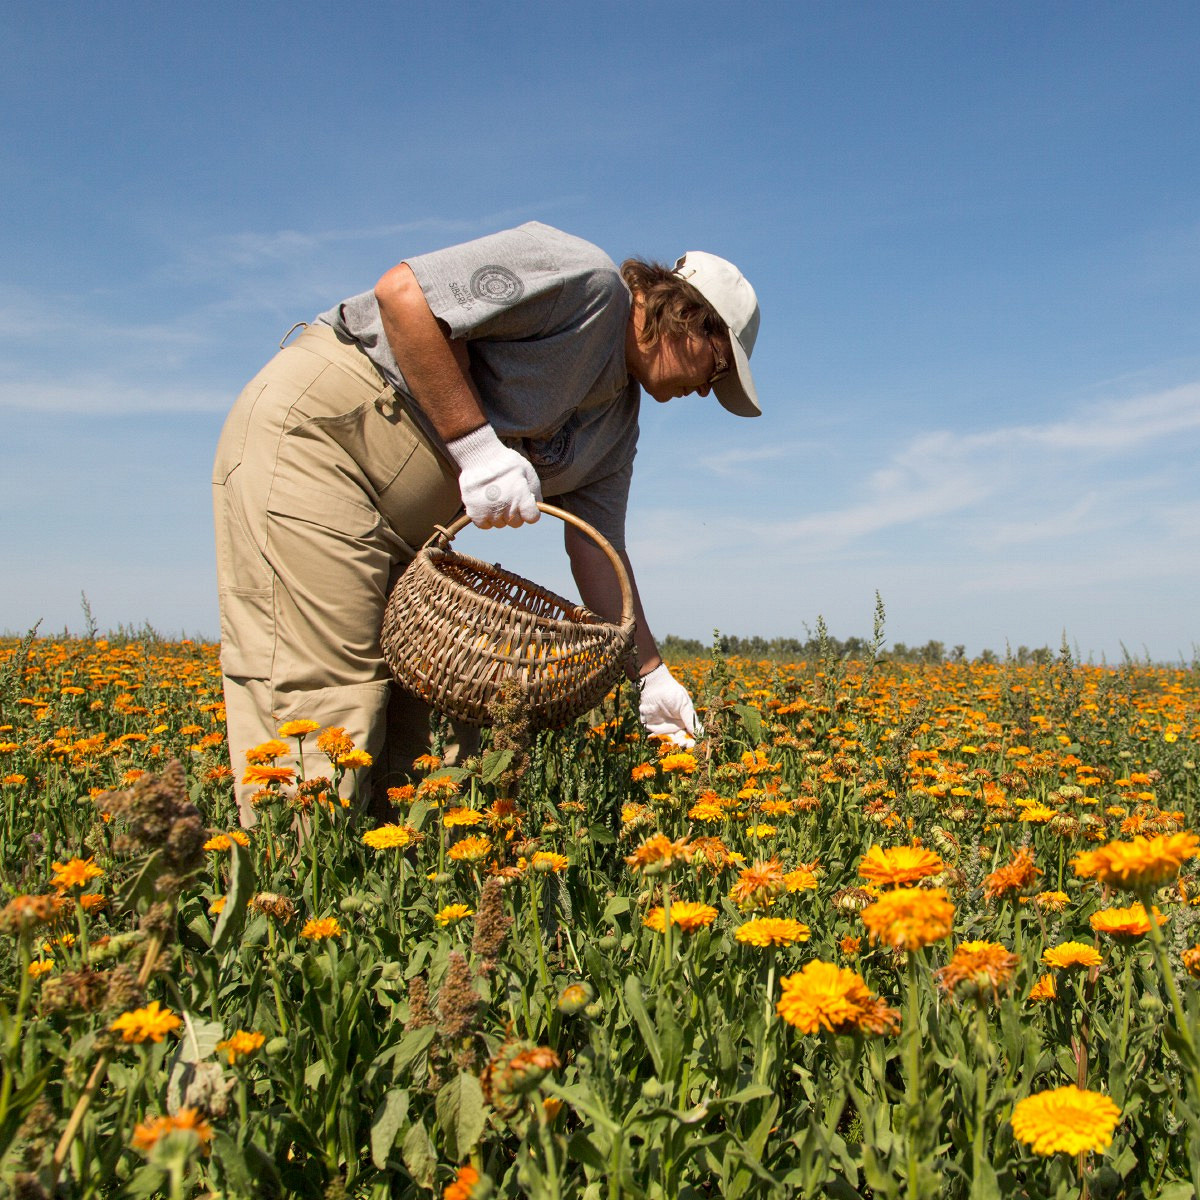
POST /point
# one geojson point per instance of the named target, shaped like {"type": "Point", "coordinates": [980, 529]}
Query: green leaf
{"type": "Point", "coordinates": [242, 886]}
{"type": "Point", "coordinates": [388, 1119]}
{"type": "Point", "coordinates": [495, 763]}
{"type": "Point", "coordinates": [141, 886]}
{"type": "Point", "coordinates": [751, 719]}
{"type": "Point", "coordinates": [601, 835]}
{"type": "Point", "coordinates": [637, 1006]}
{"type": "Point", "coordinates": [460, 1114]}
{"type": "Point", "coordinates": [199, 1042]}
{"type": "Point", "coordinates": [419, 1156]}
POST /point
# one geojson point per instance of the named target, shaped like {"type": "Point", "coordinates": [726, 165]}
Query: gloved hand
{"type": "Point", "coordinates": [498, 486]}
{"type": "Point", "coordinates": [666, 707]}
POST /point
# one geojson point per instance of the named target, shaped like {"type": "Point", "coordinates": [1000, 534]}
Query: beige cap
{"type": "Point", "coordinates": [730, 293]}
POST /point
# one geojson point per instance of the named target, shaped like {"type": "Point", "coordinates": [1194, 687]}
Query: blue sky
{"type": "Point", "coordinates": [974, 229]}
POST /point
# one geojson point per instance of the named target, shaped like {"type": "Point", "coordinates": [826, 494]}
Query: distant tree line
{"type": "Point", "coordinates": [791, 649]}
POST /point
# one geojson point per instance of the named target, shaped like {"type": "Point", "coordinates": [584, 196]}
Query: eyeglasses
{"type": "Point", "coordinates": [722, 367]}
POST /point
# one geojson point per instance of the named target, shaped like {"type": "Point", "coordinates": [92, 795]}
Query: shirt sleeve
{"type": "Point", "coordinates": [517, 284]}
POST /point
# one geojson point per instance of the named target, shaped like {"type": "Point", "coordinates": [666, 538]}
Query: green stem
{"type": "Point", "coordinates": [979, 1142]}
{"type": "Point", "coordinates": [1164, 968]}
{"type": "Point", "coordinates": [912, 1070]}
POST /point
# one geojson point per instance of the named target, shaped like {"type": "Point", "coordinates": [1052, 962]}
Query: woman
{"type": "Point", "coordinates": [487, 376]}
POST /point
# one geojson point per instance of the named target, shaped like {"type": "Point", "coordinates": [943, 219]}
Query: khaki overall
{"type": "Point", "coordinates": [323, 489]}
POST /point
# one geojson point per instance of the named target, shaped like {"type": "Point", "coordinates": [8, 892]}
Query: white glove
{"type": "Point", "coordinates": [666, 707]}
{"type": "Point", "coordinates": [498, 486]}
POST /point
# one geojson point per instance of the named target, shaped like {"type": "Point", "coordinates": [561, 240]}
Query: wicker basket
{"type": "Point", "coordinates": [455, 628]}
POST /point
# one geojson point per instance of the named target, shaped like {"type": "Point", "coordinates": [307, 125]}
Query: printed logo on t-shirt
{"type": "Point", "coordinates": [553, 455]}
{"type": "Point", "coordinates": [496, 285]}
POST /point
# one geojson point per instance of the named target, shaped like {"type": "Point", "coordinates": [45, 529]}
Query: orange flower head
{"type": "Point", "coordinates": [75, 872]}
{"type": "Point", "coordinates": [151, 1023]}
{"type": "Point", "coordinates": [1125, 924]}
{"type": "Point", "coordinates": [1140, 864]}
{"type": "Point", "coordinates": [979, 967]}
{"type": "Point", "coordinates": [759, 885]}
{"type": "Point", "coordinates": [826, 996]}
{"type": "Point", "coordinates": [659, 853]}
{"type": "Point", "coordinates": [470, 849]}
{"type": "Point", "coordinates": [772, 931]}
{"type": "Point", "coordinates": [899, 865]}
{"type": "Point", "coordinates": [267, 752]}
{"type": "Point", "coordinates": [187, 1121]}
{"type": "Point", "coordinates": [1013, 878]}
{"type": "Point", "coordinates": [909, 918]}
{"type": "Point", "coordinates": [241, 1044]}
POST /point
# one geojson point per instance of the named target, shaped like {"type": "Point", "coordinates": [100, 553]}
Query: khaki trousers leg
{"type": "Point", "coordinates": [322, 487]}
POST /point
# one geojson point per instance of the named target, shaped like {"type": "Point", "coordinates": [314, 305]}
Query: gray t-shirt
{"type": "Point", "coordinates": [544, 317]}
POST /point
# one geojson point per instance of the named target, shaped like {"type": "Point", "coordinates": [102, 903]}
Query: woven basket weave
{"type": "Point", "coordinates": [456, 628]}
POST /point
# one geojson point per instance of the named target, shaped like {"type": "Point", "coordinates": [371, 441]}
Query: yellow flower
{"type": "Point", "coordinates": [353, 760]}
{"type": "Point", "coordinates": [1072, 954]}
{"type": "Point", "coordinates": [688, 915]}
{"type": "Point", "coordinates": [909, 918]}
{"type": "Point", "coordinates": [241, 1045]}
{"type": "Point", "coordinates": [826, 996]}
{"type": "Point", "coordinates": [1126, 923]}
{"type": "Point", "coordinates": [802, 879]}
{"type": "Point", "coordinates": [1066, 1119]}
{"type": "Point", "coordinates": [1141, 863]}
{"type": "Point", "coordinates": [899, 865]}
{"type": "Point", "coordinates": [451, 913]}
{"type": "Point", "coordinates": [75, 872]}
{"type": "Point", "coordinates": [321, 927]}
{"type": "Point", "coordinates": [150, 1023]}
{"type": "Point", "coordinates": [1052, 901]}
{"type": "Point", "coordinates": [772, 931]}
{"type": "Point", "coordinates": [470, 849]}
{"type": "Point", "coordinates": [546, 861]}
{"type": "Point", "coordinates": [461, 816]}
{"type": "Point", "coordinates": [1044, 989]}
{"type": "Point", "coordinates": [263, 774]}
{"type": "Point", "coordinates": [391, 837]}
{"type": "Point", "coordinates": [1191, 961]}
{"type": "Point", "coordinates": [297, 729]}
{"type": "Point", "coordinates": [1038, 814]}
{"type": "Point", "coordinates": [44, 967]}
{"type": "Point", "coordinates": [186, 1120]}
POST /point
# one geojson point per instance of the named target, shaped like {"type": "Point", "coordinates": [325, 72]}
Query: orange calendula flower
{"type": "Point", "coordinates": [688, 915]}
{"type": "Point", "coordinates": [321, 927]}
{"type": "Point", "coordinates": [826, 996]}
{"type": "Point", "coordinates": [1141, 863]}
{"type": "Point", "coordinates": [1044, 989]}
{"type": "Point", "coordinates": [241, 1044]}
{"type": "Point", "coordinates": [391, 837]}
{"type": "Point", "coordinates": [298, 729]}
{"type": "Point", "coordinates": [659, 853]}
{"type": "Point", "coordinates": [222, 841]}
{"type": "Point", "coordinates": [909, 918]}
{"type": "Point", "coordinates": [978, 967]}
{"type": "Point", "coordinates": [354, 760]}
{"type": "Point", "coordinates": [1072, 954]}
{"type": "Point", "coordinates": [1191, 961]}
{"type": "Point", "coordinates": [463, 1187]}
{"type": "Point", "coordinates": [426, 762]}
{"type": "Point", "coordinates": [186, 1121]}
{"type": "Point", "coordinates": [642, 771]}
{"type": "Point", "coordinates": [681, 763]}
{"type": "Point", "coordinates": [437, 788]}
{"type": "Point", "coordinates": [259, 774]}
{"type": "Point", "coordinates": [452, 913]}
{"type": "Point", "coordinates": [1013, 878]}
{"type": "Point", "coordinates": [267, 752]}
{"type": "Point", "coordinates": [151, 1023]}
{"type": "Point", "coordinates": [75, 872]}
{"type": "Point", "coordinates": [851, 947]}
{"type": "Point", "coordinates": [759, 884]}
{"type": "Point", "coordinates": [1069, 1120]}
{"type": "Point", "coordinates": [772, 931]}
{"type": "Point", "coordinates": [1125, 923]}
{"type": "Point", "coordinates": [1052, 901]}
{"type": "Point", "coordinates": [802, 879]}
{"type": "Point", "coordinates": [455, 817]}
{"type": "Point", "coordinates": [470, 849]}
{"type": "Point", "coordinates": [548, 862]}
{"type": "Point", "coordinates": [899, 865]}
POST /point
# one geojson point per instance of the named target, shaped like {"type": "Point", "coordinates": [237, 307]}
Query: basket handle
{"type": "Point", "coordinates": [443, 535]}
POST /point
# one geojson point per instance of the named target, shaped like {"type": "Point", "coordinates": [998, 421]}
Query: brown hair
{"type": "Point", "coordinates": [673, 308]}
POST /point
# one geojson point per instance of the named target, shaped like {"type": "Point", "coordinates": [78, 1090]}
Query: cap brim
{"type": "Point", "coordinates": [736, 391]}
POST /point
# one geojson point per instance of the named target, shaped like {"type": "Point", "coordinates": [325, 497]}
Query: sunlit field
{"type": "Point", "coordinates": [886, 930]}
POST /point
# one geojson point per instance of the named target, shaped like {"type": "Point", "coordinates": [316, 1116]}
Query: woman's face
{"type": "Point", "coordinates": [675, 366]}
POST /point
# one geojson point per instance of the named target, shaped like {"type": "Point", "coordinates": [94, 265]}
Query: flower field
{"type": "Point", "coordinates": [886, 930]}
